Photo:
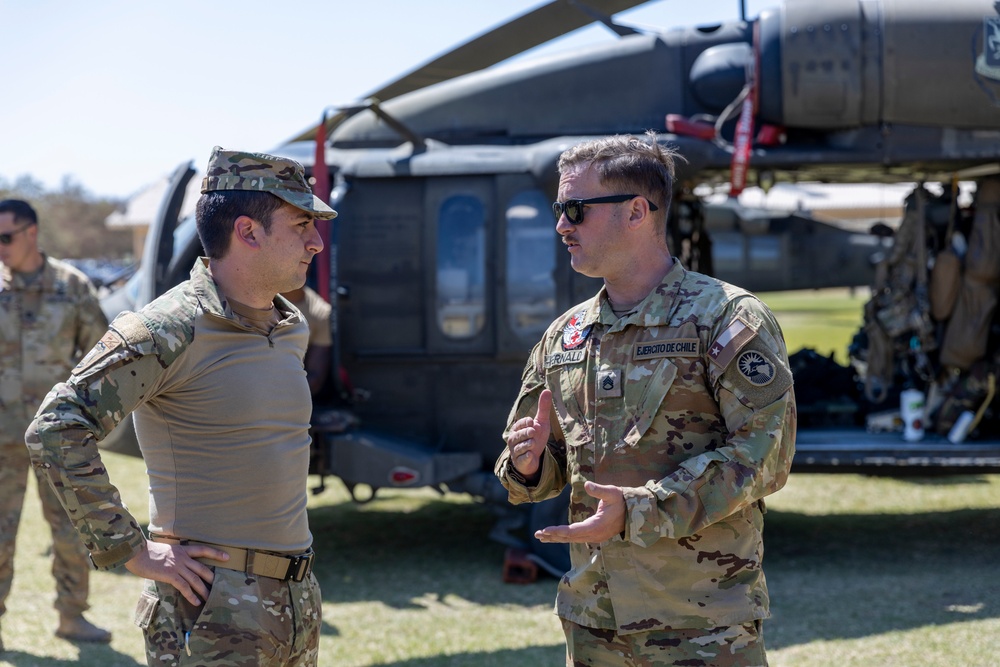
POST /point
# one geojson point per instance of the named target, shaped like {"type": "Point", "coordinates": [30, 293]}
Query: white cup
{"type": "Point", "coordinates": [911, 409]}
{"type": "Point", "coordinates": [961, 427]}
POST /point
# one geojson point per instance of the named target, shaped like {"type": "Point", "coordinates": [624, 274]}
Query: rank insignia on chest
{"type": "Point", "coordinates": [575, 332]}
{"type": "Point", "coordinates": [609, 383]}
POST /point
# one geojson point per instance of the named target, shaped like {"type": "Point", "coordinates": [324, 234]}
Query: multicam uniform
{"type": "Point", "coordinates": [227, 451]}
{"type": "Point", "coordinates": [47, 322]}
{"type": "Point", "coordinates": [687, 404]}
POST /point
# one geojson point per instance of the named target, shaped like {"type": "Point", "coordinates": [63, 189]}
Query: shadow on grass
{"type": "Point", "coordinates": [831, 577]}
{"type": "Point", "coordinates": [536, 655]}
{"type": "Point", "coordinates": [441, 548]}
{"type": "Point", "coordinates": [850, 576]}
{"type": "Point", "coordinates": [90, 654]}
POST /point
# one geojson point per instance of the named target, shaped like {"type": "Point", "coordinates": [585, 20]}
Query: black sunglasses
{"type": "Point", "coordinates": [8, 238]}
{"type": "Point", "coordinates": [573, 208]}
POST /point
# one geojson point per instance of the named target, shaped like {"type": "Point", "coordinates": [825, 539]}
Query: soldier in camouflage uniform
{"type": "Point", "coordinates": [212, 372]}
{"type": "Point", "coordinates": [666, 403]}
{"type": "Point", "coordinates": [49, 317]}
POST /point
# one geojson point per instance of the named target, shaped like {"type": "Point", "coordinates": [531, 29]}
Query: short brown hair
{"type": "Point", "coordinates": [630, 164]}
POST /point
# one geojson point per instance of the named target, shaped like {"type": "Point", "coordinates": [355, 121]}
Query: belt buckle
{"type": "Point", "coordinates": [300, 566]}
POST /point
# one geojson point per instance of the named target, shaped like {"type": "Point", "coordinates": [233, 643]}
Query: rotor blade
{"type": "Point", "coordinates": [527, 31]}
{"type": "Point", "coordinates": [522, 33]}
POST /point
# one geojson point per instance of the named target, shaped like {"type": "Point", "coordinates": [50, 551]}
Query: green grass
{"type": "Point", "coordinates": [824, 320]}
{"type": "Point", "coordinates": [863, 571]}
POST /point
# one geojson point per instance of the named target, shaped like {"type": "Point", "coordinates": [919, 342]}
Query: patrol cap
{"type": "Point", "coordinates": [260, 172]}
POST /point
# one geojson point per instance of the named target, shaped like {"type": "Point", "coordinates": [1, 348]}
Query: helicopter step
{"type": "Point", "coordinates": [856, 450]}
{"type": "Point", "coordinates": [360, 457]}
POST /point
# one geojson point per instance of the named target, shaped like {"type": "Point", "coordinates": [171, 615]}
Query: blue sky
{"type": "Point", "coordinates": [114, 94]}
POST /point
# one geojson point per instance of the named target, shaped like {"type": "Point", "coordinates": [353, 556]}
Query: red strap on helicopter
{"type": "Point", "coordinates": [741, 148]}
{"type": "Point", "coordinates": [321, 188]}
{"type": "Point", "coordinates": [677, 124]}
{"type": "Point", "coordinates": [743, 141]}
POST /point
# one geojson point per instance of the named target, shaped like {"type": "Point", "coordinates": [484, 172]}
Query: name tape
{"type": "Point", "coordinates": [678, 347]}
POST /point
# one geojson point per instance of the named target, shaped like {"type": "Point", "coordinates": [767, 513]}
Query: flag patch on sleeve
{"type": "Point", "coordinates": [730, 342]}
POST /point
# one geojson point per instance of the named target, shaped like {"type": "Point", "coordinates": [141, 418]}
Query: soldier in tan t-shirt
{"type": "Point", "coordinates": [212, 372]}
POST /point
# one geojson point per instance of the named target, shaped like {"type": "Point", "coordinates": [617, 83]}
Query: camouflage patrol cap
{"type": "Point", "coordinates": [260, 172]}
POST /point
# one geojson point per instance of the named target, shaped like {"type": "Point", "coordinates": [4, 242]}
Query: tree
{"type": "Point", "coordinates": [71, 220]}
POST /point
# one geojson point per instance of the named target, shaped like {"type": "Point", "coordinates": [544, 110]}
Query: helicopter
{"type": "Point", "coordinates": [443, 266]}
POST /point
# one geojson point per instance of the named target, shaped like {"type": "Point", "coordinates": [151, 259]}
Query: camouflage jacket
{"type": "Point", "coordinates": [224, 448]}
{"type": "Point", "coordinates": [687, 404]}
{"type": "Point", "coordinates": [45, 327]}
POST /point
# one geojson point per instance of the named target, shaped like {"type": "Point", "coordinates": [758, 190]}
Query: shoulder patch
{"type": "Point", "coordinates": [131, 328]}
{"type": "Point", "coordinates": [759, 374]}
{"type": "Point", "coordinates": [110, 342]}
{"type": "Point", "coordinates": [756, 368]}
{"type": "Point", "coordinates": [127, 331]}
{"type": "Point", "coordinates": [575, 333]}
{"type": "Point", "coordinates": [729, 343]}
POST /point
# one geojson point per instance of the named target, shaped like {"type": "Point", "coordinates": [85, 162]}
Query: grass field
{"type": "Point", "coordinates": [824, 320]}
{"type": "Point", "coordinates": [863, 572]}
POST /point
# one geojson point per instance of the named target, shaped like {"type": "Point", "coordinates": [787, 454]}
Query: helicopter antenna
{"type": "Point", "coordinates": [743, 10]}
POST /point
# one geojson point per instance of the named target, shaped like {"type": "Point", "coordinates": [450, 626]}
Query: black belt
{"type": "Point", "coordinates": [251, 561]}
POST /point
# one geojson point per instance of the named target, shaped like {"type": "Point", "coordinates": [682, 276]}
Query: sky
{"type": "Point", "coordinates": [114, 94]}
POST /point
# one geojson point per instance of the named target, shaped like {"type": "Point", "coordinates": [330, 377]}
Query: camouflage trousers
{"type": "Point", "coordinates": [70, 563]}
{"type": "Point", "coordinates": [734, 646]}
{"type": "Point", "coordinates": [246, 621]}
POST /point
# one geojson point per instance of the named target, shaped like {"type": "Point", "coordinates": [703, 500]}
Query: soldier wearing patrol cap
{"type": "Point", "coordinates": [212, 373]}
{"type": "Point", "coordinates": [666, 403]}
{"type": "Point", "coordinates": [49, 317]}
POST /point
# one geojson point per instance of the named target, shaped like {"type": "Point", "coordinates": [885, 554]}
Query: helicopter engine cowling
{"type": "Point", "coordinates": [848, 63]}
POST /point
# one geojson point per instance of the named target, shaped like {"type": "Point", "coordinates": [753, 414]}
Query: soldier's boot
{"type": "Point", "coordinates": [76, 628]}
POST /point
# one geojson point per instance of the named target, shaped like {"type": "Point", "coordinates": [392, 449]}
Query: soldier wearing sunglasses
{"type": "Point", "coordinates": [49, 317]}
{"type": "Point", "coordinates": [665, 402]}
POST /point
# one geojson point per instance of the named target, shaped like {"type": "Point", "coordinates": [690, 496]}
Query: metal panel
{"type": "Point", "coordinates": [821, 52]}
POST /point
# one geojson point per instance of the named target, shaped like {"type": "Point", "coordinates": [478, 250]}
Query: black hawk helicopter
{"type": "Point", "coordinates": [443, 265]}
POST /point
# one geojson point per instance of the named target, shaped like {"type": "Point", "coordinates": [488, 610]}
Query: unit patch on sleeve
{"type": "Point", "coordinates": [758, 370]}
{"type": "Point", "coordinates": [759, 375]}
{"type": "Point", "coordinates": [730, 342]}
{"type": "Point", "coordinates": [575, 333]}
{"type": "Point", "coordinates": [676, 347]}
{"type": "Point", "coordinates": [108, 344]}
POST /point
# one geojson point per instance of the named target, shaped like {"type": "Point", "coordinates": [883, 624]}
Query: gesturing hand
{"type": "Point", "coordinates": [528, 436]}
{"type": "Point", "coordinates": [607, 521]}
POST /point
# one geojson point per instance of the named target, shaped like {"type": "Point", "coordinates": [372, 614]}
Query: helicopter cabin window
{"type": "Point", "coordinates": [765, 252]}
{"type": "Point", "coordinates": [737, 252]}
{"type": "Point", "coordinates": [461, 266]}
{"type": "Point", "coordinates": [531, 263]}
{"type": "Point", "coordinates": [727, 251]}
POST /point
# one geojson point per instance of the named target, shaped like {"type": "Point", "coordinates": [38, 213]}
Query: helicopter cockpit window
{"type": "Point", "coordinates": [461, 266]}
{"type": "Point", "coordinates": [531, 263]}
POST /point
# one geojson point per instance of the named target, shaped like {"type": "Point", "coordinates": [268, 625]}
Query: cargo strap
{"type": "Point", "coordinates": [251, 561]}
